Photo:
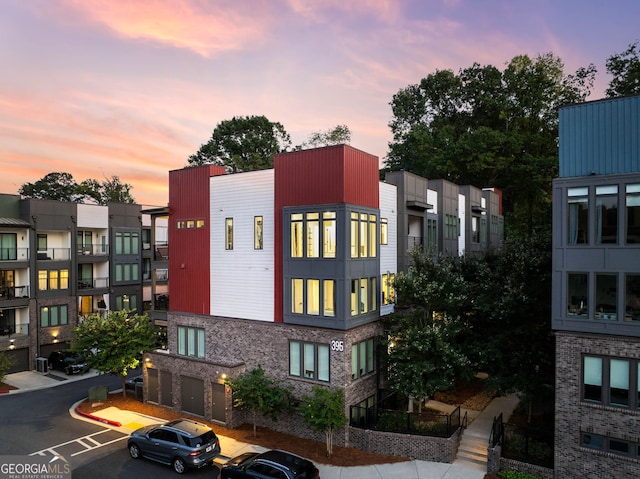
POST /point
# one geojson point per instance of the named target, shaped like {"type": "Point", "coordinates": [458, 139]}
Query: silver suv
{"type": "Point", "coordinates": [182, 443]}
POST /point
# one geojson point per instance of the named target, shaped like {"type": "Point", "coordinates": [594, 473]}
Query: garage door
{"type": "Point", "coordinates": [192, 395]}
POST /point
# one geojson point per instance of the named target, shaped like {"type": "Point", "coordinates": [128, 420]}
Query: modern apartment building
{"type": "Point", "coordinates": [290, 269]}
{"type": "Point", "coordinates": [596, 290]}
{"type": "Point", "coordinates": [60, 261]}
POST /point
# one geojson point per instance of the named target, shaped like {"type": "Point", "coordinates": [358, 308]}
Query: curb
{"type": "Point", "coordinates": [99, 419]}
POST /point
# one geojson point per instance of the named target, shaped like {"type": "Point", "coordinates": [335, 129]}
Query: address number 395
{"type": "Point", "coordinates": [337, 345]}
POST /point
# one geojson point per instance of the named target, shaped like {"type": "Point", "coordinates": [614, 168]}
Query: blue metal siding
{"type": "Point", "coordinates": [601, 137]}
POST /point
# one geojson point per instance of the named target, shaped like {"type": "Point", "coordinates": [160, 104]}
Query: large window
{"type": "Point", "coordinates": [450, 227]}
{"type": "Point", "coordinates": [363, 235]}
{"type": "Point", "coordinates": [611, 381]}
{"type": "Point", "coordinates": [313, 234]}
{"type": "Point", "coordinates": [8, 246]}
{"type": "Point", "coordinates": [606, 297]}
{"type": "Point", "coordinates": [313, 296]}
{"type": "Point", "coordinates": [127, 272]}
{"type": "Point", "coordinates": [606, 214]}
{"type": "Point", "coordinates": [388, 288]}
{"type": "Point", "coordinates": [228, 233]}
{"type": "Point", "coordinates": [127, 301]}
{"type": "Point", "coordinates": [191, 342]}
{"type": "Point", "coordinates": [362, 358]}
{"type": "Point", "coordinates": [53, 279]}
{"type": "Point", "coordinates": [578, 200]}
{"type": "Point", "coordinates": [363, 292]}
{"type": "Point", "coordinates": [309, 360]}
{"type": "Point", "coordinates": [384, 231]}
{"type": "Point", "coordinates": [56, 315]}
{"type": "Point", "coordinates": [632, 297]}
{"type": "Point", "coordinates": [633, 213]}
{"type": "Point", "coordinates": [578, 291]}
{"type": "Point", "coordinates": [127, 242]}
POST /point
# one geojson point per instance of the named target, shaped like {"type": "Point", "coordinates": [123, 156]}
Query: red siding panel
{"type": "Point", "coordinates": [189, 250]}
{"type": "Point", "coordinates": [334, 174]}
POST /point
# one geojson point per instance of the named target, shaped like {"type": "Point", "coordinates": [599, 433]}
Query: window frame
{"type": "Point", "coordinates": [190, 341]}
{"type": "Point", "coordinates": [61, 314]}
{"type": "Point", "coordinates": [603, 373]}
{"type": "Point", "coordinates": [228, 234]}
{"type": "Point", "coordinates": [299, 352]}
{"type": "Point", "coordinates": [363, 358]}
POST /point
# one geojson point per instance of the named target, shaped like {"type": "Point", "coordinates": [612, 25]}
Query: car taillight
{"type": "Point", "coordinates": [195, 453]}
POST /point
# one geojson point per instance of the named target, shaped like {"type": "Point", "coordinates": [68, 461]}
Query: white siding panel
{"type": "Point", "coordinates": [462, 217]}
{"type": "Point", "coordinates": [242, 279]}
{"type": "Point", "coordinates": [93, 216]}
{"type": "Point", "coordinates": [388, 252]}
{"type": "Point", "coordinates": [432, 199]}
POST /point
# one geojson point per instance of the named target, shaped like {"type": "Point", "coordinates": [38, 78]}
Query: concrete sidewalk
{"type": "Point", "coordinates": [126, 421]}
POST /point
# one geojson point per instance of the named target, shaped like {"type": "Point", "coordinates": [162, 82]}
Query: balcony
{"type": "Point", "coordinates": [93, 283]}
{"type": "Point", "coordinates": [161, 252]}
{"type": "Point", "coordinates": [55, 254]}
{"type": "Point", "coordinates": [14, 254]}
{"type": "Point", "coordinates": [13, 292]}
{"type": "Point", "coordinates": [162, 274]}
{"type": "Point", "coordinates": [93, 249]}
{"type": "Point", "coordinates": [9, 330]}
{"type": "Point", "coordinates": [161, 302]}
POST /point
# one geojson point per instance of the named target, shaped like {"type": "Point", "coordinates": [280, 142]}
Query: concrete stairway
{"type": "Point", "coordinates": [473, 451]}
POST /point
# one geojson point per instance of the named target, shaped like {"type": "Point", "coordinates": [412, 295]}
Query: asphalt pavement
{"type": "Point", "coordinates": [478, 429]}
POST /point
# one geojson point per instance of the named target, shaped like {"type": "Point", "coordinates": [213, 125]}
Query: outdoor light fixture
{"type": "Point", "coordinates": [11, 345]}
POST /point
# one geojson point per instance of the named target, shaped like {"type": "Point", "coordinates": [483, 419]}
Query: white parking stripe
{"type": "Point", "coordinates": [86, 443]}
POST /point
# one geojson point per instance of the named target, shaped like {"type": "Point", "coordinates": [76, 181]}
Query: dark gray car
{"type": "Point", "coordinates": [272, 464]}
{"type": "Point", "coordinates": [182, 443]}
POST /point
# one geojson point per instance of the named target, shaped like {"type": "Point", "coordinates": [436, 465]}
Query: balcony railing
{"type": "Point", "coordinates": [14, 292]}
{"type": "Point", "coordinates": [56, 254]}
{"type": "Point", "coordinates": [14, 329]}
{"type": "Point", "coordinates": [89, 283]}
{"type": "Point", "coordinates": [14, 254]}
{"type": "Point", "coordinates": [162, 274]}
{"type": "Point", "coordinates": [94, 249]}
{"type": "Point", "coordinates": [161, 302]}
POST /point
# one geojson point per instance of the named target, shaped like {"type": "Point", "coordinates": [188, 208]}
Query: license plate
{"type": "Point", "coordinates": [208, 449]}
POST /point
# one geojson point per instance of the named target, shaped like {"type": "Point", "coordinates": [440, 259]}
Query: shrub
{"type": "Point", "coordinates": [516, 475]}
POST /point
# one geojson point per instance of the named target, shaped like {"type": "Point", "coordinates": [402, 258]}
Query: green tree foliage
{"type": "Point", "coordinates": [243, 144]}
{"type": "Point", "coordinates": [340, 134]}
{"type": "Point", "coordinates": [6, 363]}
{"type": "Point", "coordinates": [52, 186]}
{"type": "Point", "coordinates": [425, 347]}
{"type": "Point", "coordinates": [256, 392]}
{"type": "Point", "coordinates": [323, 411]}
{"type": "Point", "coordinates": [114, 344]}
{"type": "Point", "coordinates": [512, 317]}
{"type": "Point", "coordinates": [62, 187]}
{"type": "Point", "coordinates": [625, 68]}
{"type": "Point", "coordinates": [488, 127]}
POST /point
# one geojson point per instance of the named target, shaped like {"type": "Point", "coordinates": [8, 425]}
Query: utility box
{"type": "Point", "coordinates": [42, 365]}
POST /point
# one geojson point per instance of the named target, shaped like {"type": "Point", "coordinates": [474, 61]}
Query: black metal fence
{"type": "Point", "coordinates": [528, 444]}
{"type": "Point", "coordinates": [497, 431]}
{"type": "Point", "coordinates": [385, 416]}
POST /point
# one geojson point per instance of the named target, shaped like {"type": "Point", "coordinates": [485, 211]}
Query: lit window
{"type": "Point", "coordinates": [313, 235]}
{"type": "Point", "coordinates": [364, 295]}
{"type": "Point", "coordinates": [373, 294]}
{"type": "Point", "coordinates": [297, 295]}
{"type": "Point", "coordinates": [180, 224]}
{"type": "Point", "coordinates": [257, 232]}
{"type": "Point", "coordinates": [228, 243]}
{"type": "Point", "coordinates": [313, 297]}
{"type": "Point", "coordinates": [354, 297]}
{"type": "Point", "coordinates": [191, 224]}
{"type": "Point", "coordinates": [373, 242]}
{"type": "Point", "coordinates": [329, 234]}
{"type": "Point", "coordinates": [53, 280]}
{"type": "Point", "coordinates": [384, 231]}
{"type": "Point", "coordinates": [329, 301]}
{"type": "Point", "coordinates": [354, 235]}
{"type": "Point", "coordinates": [199, 223]}
{"type": "Point", "coordinates": [43, 280]}
{"type": "Point", "coordinates": [364, 252]}
{"type": "Point", "coordinates": [296, 235]}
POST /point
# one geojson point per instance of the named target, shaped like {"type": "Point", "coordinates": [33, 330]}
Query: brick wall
{"type": "Point", "coordinates": [574, 415]}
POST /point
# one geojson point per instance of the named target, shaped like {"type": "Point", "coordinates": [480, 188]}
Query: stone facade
{"type": "Point", "coordinates": [574, 415]}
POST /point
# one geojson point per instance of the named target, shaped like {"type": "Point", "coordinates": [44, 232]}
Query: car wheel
{"type": "Point", "coordinates": [134, 451]}
{"type": "Point", "coordinates": [178, 465]}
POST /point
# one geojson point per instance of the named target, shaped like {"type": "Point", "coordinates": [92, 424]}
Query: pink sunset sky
{"type": "Point", "coordinates": [130, 88]}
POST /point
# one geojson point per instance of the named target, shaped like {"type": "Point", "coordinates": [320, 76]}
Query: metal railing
{"type": "Point", "coordinates": [93, 249]}
{"type": "Point", "coordinates": [528, 444]}
{"type": "Point", "coordinates": [14, 292]}
{"type": "Point", "coordinates": [15, 329]}
{"type": "Point", "coordinates": [56, 254]}
{"type": "Point", "coordinates": [89, 283]}
{"type": "Point", "coordinates": [14, 254]}
{"type": "Point", "coordinates": [416, 423]}
{"type": "Point", "coordinates": [497, 431]}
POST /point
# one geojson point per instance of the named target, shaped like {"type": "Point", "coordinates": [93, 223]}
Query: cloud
{"type": "Point", "coordinates": [204, 27]}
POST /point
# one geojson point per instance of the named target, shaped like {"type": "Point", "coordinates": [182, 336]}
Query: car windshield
{"type": "Point", "coordinates": [205, 438]}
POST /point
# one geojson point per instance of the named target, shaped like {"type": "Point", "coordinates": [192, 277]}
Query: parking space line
{"type": "Point", "coordinates": [87, 443]}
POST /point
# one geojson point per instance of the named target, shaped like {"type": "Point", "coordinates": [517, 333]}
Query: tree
{"type": "Point", "coordinates": [52, 186]}
{"type": "Point", "coordinates": [254, 391]}
{"type": "Point", "coordinates": [488, 127]}
{"type": "Point", "coordinates": [62, 187]}
{"type": "Point", "coordinates": [425, 352]}
{"type": "Point", "coordinates": [340, 134]}
{"type": "Point", "coordinates": [324, 412]}
{"type": "Point", "coordinates": [243, 144]}
{"type": "Point", "coordinates": [625, 68]}
{"type": "Point", "coordinates": [114, 343]}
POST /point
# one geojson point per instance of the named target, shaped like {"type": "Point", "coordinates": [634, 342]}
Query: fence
{"type": "Point", "coordinates": [497, 431]}
{"type": "Point", "coordinates": [528, 444]}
